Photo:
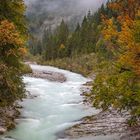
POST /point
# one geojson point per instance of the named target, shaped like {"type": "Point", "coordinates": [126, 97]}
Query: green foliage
{"type": "Point", "coordinates": [12, 42]}
{"type": "Point", "coordinates": [117, 83]}
{"type": "Point", "coordinates": [83, 64]}
{"type": "Point", "coordinates": [113, 35]}
{"type": "Point", "coordinates": [11, 86]}
{"type": "Point", "coordinates": [13, 11]}
{"type": "Point", "coordinates": [137, 31]}
{"type": "Point", "coordinates": [116, 89]}
{"type": "Point", "coordinates": [26, 69]}
{"type": "Point", "coordinates": [81, 41]}
{"type": "Point", "coordinates": [54, 44]}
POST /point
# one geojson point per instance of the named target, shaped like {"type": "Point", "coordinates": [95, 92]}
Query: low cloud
{"type": "Point", "coordinates": [51, 12]}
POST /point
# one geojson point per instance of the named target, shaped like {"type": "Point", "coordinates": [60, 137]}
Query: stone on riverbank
{"type": "Point", "coordinates": [107, 123]}
{"type": "Point", "coordinates": [49, 75]}
{"type": "Point", "coordinates": [7, 118]}
{"type": "Point", "coordinates": [2, 130]}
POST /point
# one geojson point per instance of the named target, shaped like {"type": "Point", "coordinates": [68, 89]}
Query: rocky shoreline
{"type": "Point", "coordinates": [109, 125]}
{"type": "Point", "coordinates": [9, 114]}
{"type": "Point", "coordinates": [49, 75]}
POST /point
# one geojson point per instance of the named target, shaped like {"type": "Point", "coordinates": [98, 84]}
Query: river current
{"type": "Point", "coordinates": [56, 107]}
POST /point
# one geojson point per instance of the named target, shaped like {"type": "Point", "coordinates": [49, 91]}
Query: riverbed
{"type": "Point", "coordinates": [57, 106]}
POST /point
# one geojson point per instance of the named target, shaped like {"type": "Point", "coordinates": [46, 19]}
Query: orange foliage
{"type": "Point", "coordinates": [131, 48]}
{"type": "Point", "coordinates": [110, 30]}
{"type": "Point", "coordinates": [114, 6]}
{"type": "Point", "coordinates": [125, 19]}
{"type": "Point", "coordinates": [22, 51]}
{"type": "Point", "coordinates": [110, 33]}
{"type": "Point", "coordinates": [128, 7]}
{"type": "Point", "coordinates": [129, 56]}
{"type": "Point", "coordinates": [9, 35]}
{"type": "Point", "coordinates": [62, 46]}
{"type": "Point", "coordinates": [10, 39]}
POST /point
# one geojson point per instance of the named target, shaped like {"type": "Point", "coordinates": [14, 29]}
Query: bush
{"type": "Point", "coordinates": [26, 69]}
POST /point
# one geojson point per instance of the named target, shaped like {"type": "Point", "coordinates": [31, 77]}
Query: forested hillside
{"type": "Point", "coordinates": [62, 42]}
{"type": "Point", "coordinates": [117, 84]}
{"type": "Point", "coordinates": [103, 43]}
{"type": "Point", "coordinates": [112, 34]}
{"type": "Point", "coordinates": [43, 15]}
{"type": "Point", "coordinates": [12, 48]}
{"type": "Point", "coordinates": [99, 39]}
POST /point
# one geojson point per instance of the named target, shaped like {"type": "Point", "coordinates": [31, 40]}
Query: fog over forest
{"type": "Point", "coordinates": [49, 13]}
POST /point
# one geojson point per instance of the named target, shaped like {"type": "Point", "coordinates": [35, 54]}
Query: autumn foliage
{"type": "Point", "coordinates": [12, 48]}
{"type": "Point", "coordinates": [117, 85]}
{"type": "Point", "coordinates": [10, 36]}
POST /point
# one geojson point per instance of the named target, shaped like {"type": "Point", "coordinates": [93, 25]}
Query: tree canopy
{"type": "Point", "coordinates": [12, 48]}
{"type": "Point", "coordinates": [113, 34]}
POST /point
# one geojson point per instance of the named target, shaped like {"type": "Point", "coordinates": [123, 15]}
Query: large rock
{"type": "Point", "coordinates": [2, 130]}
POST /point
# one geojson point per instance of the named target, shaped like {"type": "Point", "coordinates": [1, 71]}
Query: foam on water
{"type": "Point", "coordinates": [57, 106]}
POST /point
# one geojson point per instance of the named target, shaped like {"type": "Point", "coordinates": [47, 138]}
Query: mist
{"type": "Point", "coordinates": [62, 6]}
{"type": "Point", "coordinates": [49, 13]}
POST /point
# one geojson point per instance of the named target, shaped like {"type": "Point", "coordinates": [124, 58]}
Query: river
{"type": "Point", "coordinates": [56, 107]}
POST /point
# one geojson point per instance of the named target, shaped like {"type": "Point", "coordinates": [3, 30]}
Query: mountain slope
{"type": "Point", "coordinates": [49, 13]}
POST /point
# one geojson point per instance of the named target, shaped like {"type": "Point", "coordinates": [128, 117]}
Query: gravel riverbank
{"type": "Point", "coordinates": [108, 125]}
{"type": "Point", "coordinates": [49, 75]}
{"type": "Point", "coordinates": [7, 117]}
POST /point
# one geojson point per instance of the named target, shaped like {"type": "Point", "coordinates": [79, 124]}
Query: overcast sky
{"type": "Point", "coordinates": [75, 5]}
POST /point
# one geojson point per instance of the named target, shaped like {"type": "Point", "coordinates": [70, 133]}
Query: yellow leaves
{"type": "Point", "coordinates": [110, 34]}
{"type": "Point", "coordinates": [127, 39]}
{"type": "Point", "coordinates": [22, 51]}
{"type": "Point", "coordinates": [125, 36]}
{"type": "Point", "coordinates": [138, 13]}
{"type": "Point", "coordinates": [9, 34]}
{"type": "Point", "coordinates": [114, 6]}
{"type": "Point", "coordinates": [62, 46]}
{"type": "Point", "coordinates": [131, 59]}
{"type": "Point", "coordinates": [11, 40]}
{"type": "Point", "coordinates": [121, 88]}
{"type": "Point", "coordinates": [110, 30]}
{"type": "Point", "coordinates": [125, 20]}
{"type": "Point", "coordinates": [125, 7]}
{"type": "Point", "coordinates": [131, 55]}
{"type": "Point", "coordinates": [11, 52]}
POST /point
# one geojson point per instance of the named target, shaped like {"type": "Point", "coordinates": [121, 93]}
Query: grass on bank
{"type": "Point", "coordinates": [84, 64]}
{"type": "Point", "coordinates": [26, 69]}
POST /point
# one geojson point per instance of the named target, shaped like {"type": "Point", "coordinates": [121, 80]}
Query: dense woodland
{"type": "Point", "coordinates": [112, 34]}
